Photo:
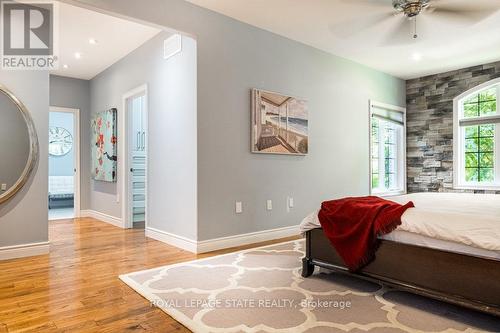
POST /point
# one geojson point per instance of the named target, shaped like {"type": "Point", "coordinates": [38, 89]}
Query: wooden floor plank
{"type": "Point", "coordinates": [76, 288]}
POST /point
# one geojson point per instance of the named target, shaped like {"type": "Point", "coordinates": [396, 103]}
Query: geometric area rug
{"type": "Point", "coordinates": [261, 290]}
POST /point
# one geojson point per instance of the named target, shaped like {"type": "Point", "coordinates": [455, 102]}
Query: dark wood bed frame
{"type": "Point", "coordinates": [469, 281]}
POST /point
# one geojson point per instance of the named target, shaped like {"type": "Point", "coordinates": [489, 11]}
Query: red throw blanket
{"type": "Point", "coordinates": [353, 224]}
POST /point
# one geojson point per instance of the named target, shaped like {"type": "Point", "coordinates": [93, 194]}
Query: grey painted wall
{"type": "Point", "coordinates": [172, 132]}
{"type": "Point", "coordinates": [15, 142]}
{"type": "Point", "coordinates": [24, 219]}
{"type": "Point", "coordinates": [234, 57]}
{"type": "Point", "coordinates": [62, 165]}
{"type": "Point", "coordinates": [430, 125]}
{"type": "Point", "coordinates": [75, 93]}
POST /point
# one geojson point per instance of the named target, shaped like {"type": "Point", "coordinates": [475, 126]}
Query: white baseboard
{"type": "Point", "coordinates": [24, 250]}
{"type": "Point", "coordinates": [116, 221]}
{"type": "Point", "coordinates": [246, 239]}
{"type": "Point", "coordinates": [223, 242]}
{"type": "Point", "coordinates": [171, 239]}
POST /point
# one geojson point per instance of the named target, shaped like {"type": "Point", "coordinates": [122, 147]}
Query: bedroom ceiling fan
{"type": "Point", "coordinates": [408, 11]}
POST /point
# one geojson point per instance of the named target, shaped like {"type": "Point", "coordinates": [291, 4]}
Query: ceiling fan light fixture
{"type": "Point", "coordinates": [410, 8]}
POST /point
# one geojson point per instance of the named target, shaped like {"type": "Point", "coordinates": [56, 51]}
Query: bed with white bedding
{"type": "Point", "coordinates": [457, 222]}
{"type": "Point", "coordinates": [459, 233]}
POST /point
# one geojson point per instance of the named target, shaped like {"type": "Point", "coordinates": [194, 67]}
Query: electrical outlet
{"type": "Point", "coordinates": [269, 205]}
{"type": "Point", "coordinates": [4, 187]}
{"type": "Point", "coordinates": [239, 207]}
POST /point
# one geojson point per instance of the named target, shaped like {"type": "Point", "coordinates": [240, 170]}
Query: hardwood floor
{"type": "Point", "coordinates": [76, 288]}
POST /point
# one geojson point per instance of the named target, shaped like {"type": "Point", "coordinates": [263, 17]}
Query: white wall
{"type": "Point", "coordinates": [24, 219]}
{"type": "Point", "coordinates": [172, 186]}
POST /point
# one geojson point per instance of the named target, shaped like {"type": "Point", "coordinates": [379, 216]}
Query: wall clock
{"type": "Point", "coordinates": [60, 141]}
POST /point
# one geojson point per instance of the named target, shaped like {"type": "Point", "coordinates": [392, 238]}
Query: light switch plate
{"type": "Point", "coordinates": [4, 187]}
{"type": "Point", "coordinates": [289, 204]}
{"type": "Point", "coordinates": [239, 207]}
{"type": "Point", "coordinates": [269, 205]}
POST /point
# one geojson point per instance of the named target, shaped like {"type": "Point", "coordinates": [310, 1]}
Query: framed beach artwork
{"type": "Point", "coordinates": [280, 124]}
{"type": "Point", "coordinates": [104, 146]}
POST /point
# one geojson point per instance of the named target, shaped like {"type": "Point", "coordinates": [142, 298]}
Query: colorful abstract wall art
{"type": "Point", "coordinates": [104, 146]}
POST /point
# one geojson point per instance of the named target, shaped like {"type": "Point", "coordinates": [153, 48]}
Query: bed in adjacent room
{"type": "Point", "coordinates": [447, 247]}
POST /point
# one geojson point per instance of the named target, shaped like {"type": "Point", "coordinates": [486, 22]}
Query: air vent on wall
{"type": "Point", "coordinates": [172, 46]}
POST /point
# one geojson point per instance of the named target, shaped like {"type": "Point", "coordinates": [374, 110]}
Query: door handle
{"type": "Point", "coordinates": [143, 140]}
{"type": "Point", "coordinates": [138, 143]}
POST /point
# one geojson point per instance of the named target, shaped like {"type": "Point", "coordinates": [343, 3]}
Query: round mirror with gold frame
{"type": "Point", "coordinates": [19, 150]}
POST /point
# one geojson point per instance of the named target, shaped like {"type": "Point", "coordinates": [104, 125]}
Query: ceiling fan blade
{"type": "Point", "coordinates": [349, 28]}
{"type": "Point", "coordinates": [401, 33]}
{"type": "Point", "coordinates": [466, 13]}
{"type": "Point", "coordinates": [376, 3]}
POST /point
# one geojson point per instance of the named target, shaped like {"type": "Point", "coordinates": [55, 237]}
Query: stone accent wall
{"type": "Point", "coordinates": [430, 125]}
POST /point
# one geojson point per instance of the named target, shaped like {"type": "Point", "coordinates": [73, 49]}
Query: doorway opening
{"type": "Point", "coordinates": [98, 68]}
{"type": "Point", "coordinates": [64, 152]}
{"type": "Point", "coordinates": [136, 125]}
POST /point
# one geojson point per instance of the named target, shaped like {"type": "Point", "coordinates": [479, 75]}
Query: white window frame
{"type": "Point", "coordinates": [401, 151]}
{"type": "Point", "coordinates": [459, 182]}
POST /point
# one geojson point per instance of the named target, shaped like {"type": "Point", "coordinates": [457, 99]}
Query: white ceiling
{"type": "Point", "coordinates": [115, 39]}
{"type": "Point", "coordinates": [444, 44]}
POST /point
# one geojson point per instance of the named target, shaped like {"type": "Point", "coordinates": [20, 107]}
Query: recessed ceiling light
{"type": "Point", "coordinates": [65, 66]}
{"type": "Point", "coordinates": [78, 55]}
{"type": "Point", "coordinates": [416, 56]}
{"type": "Point", "coordinates": [92, 41]}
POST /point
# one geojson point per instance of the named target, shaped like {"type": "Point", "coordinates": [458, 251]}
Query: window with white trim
{"type": "Point", "coordinates": [477, 138]}
{"type": "Point", "coordinates": [387, 149]}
